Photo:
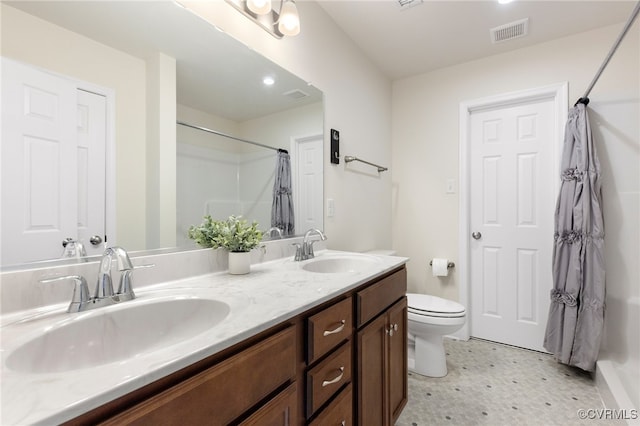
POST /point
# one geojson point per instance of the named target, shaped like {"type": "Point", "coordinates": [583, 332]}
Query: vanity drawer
{"type": "Point", "coordinates": [326, 329]}
{"type": "Point", "coordinates": [282, 410]}
{"type": "Point", "coordinates": [339, 412]}
{"type": "Point", "coordinates": [223, 392]}
{"type": "Point", "coordinates": [376, 298]}
{"type": "Point", "coordinates": [328, 377]}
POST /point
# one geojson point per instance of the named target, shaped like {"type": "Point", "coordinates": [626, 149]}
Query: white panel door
{"type": "Point", "coordinates": [512, 208]}
{"type": "Point", "coordinates": [91, 166]}
{"type": "Point", "coordinates": [53, 147]}
{"type": "Point", "coordinates": [39, 153]}
{"type": "Point", "coordinates": [308, 184]}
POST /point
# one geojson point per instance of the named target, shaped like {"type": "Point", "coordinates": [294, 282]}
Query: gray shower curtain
{"type": "Point", "coordinates": [282, 207]}
{"type": "Point", "coordinates": [576, 314]}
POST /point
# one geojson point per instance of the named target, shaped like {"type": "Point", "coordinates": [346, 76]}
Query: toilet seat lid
{"type": "Point", "coordinates": [425, 304]}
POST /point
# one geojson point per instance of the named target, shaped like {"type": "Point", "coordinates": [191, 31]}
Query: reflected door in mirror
{"type": "Point", "coordinates": [53, 151]}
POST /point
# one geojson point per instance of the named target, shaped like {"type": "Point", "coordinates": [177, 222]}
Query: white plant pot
{"type": "Point", "coordinates": [239, 262]}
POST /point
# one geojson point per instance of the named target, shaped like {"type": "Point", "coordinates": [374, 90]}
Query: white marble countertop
{"type": "Point", "coordinates": [273, 292]}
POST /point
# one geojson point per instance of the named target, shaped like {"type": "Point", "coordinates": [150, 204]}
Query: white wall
{"type": "Point", "coordinates": [425, 155]}
{"type": "Point", "coordinates": [357, 101]}
{"type": "Point", "coordinates": [161, 151]}
{"type": "Point", "coordinates": [37, 42]}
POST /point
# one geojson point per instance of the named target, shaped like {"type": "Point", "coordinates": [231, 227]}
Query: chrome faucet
{"type": "Point", "coordinates": [73, 248]}
{"type": "Point", "coordinates": [276, 230]}
{"type": "Point", "coordinates": [104, 294]}
{"type": "Point", "coordinates": [305, 251]}
{"type": "Point", "coordinates": [104, 286]}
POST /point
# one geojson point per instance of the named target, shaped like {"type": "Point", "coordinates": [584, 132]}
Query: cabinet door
{"type": "Point", "coordinates": [372, 373]}
{"type": "Point", "coordinates": [397, 359]}
{"type": "Point", "coordinates": [223, 392]}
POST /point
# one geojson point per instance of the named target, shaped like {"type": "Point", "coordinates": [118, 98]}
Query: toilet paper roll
{"type": "Point", "coordinates": [439, 267]}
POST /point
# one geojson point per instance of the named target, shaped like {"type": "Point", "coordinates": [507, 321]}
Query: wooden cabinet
{"type": "Point", "coordinates": [221, 394]}
{"type": "Point", "coordinates": [329, 356]}
{"type": "Point", "coordinates": [282, 410]}
{"type": "Point", "coordinates": [343, 361]}
{"type": "Point", "coordinates": [329, 327]}
{"type": "Point", "coordinates": [397, 351]}
{"type": "Point", "coordinates": [381, 359]}
{"type": "Point", "coordinates": [339, 412]}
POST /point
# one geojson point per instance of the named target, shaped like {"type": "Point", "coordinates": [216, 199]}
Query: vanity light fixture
{"type": "Point", "coordinates": [289, 21]}
{"type": "Point", "coordinates": [278, 20]}
{"type": "Point", "coordinates": [259, 7]}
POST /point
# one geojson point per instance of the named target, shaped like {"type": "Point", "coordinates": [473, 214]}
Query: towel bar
{"type": "Point", "coordinates": [350, 158]}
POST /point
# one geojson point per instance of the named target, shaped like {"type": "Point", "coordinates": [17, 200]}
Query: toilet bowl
{"type": "Point", "coordinates": [430, 318]}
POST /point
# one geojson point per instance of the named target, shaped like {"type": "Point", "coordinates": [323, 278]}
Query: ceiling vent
{"type": "Point", "coordinates": [406, 4]}
{"type": "Point", "coordinates": [510, 31]}
{"type": "Point", "coordinates": [295, 94]}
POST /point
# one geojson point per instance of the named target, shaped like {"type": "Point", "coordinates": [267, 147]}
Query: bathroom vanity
{"type": "Point", "coordinates": [315, 342]}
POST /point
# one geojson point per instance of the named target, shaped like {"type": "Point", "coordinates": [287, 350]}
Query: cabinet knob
{"type": "Point", "coordinates": [392, 329]}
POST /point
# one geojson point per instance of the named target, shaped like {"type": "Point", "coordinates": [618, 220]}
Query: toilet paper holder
{"type": "Point", "coordinates": [450, 265]}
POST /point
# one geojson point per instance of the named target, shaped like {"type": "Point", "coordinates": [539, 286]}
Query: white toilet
{"type": "Point", "coordinates": [430, 318]}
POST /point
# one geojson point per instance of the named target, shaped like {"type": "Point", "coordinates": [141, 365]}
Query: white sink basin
{"type": "Point", "coordinates": [116, 333]}
{"type": "Point", "coordinates": [340, 264]}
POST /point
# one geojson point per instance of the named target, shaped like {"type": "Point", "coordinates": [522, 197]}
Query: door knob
{"type": "Point", "coordinates": [476, 235]}
{"type": "Point", "coordinates": [96, 240]}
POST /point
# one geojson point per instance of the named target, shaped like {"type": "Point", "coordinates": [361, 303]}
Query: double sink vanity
{"type": "Point", "coordinates": [319, 341]}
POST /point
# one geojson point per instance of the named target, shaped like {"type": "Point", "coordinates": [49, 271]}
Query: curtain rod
{"type": "Point", "coordinates": [215, 132]}
{"type": "Point", "coordinates": [585, 98]}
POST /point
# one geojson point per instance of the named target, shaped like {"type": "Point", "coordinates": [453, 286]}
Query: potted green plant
{"type": "Point", "coordinates": [234, 234]}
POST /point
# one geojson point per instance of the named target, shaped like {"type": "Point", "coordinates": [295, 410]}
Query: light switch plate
{"type": "Point", "coordinates": [451, 186]}
{"type": "Point", "coordinates": [331, 208]}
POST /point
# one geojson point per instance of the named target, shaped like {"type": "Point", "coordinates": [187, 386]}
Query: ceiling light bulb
{"type": "Point", "coordinates": [504, 1]}
{"type": "Point", "coordinates": [268, 81]}
{"type": "Point", "coordinates": [259, 7]}
{"type": "Point", "coordinates": [289, 21]}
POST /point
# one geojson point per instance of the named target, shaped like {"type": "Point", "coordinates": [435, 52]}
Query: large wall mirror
{"type": "Point", "coordinates": [161, 65]}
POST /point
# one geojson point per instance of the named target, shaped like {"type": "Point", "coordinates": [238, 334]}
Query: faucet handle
{"type": "Point", "coordinates": [80, 291]}
{"type": "Point", "coordinates": [125, 289]}
{"type": "Point", "coordinates": [298, 255]}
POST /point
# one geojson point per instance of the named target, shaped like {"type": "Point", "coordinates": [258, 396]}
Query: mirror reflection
{"type": "Point", "coordinates": [156, 64]}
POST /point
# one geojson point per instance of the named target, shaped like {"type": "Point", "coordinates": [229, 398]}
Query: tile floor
{"type": "Point", "coordinates": [493, 384]}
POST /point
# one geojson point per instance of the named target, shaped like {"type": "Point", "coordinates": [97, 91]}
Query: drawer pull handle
{"type": "Point", "coordinates": [336, 380]}
{"type": "Point", "coordinates": [343, 423]}
{"type": "Point", "coordinates": [335, 330]}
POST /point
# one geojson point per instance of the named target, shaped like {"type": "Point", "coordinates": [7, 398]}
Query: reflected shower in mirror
{"type": "Point", "coordinates": [159, 59]}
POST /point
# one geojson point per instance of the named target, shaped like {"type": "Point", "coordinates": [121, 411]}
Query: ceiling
{"type": "Point", "coordinates": [401, 43]}
{"type": "Point", "coordinates": [437, 34]}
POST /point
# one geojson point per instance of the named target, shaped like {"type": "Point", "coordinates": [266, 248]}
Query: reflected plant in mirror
{"type": "Point", "coordinates": [165, 177]}
{"type": "Point", "coordinates": [234, 234]}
